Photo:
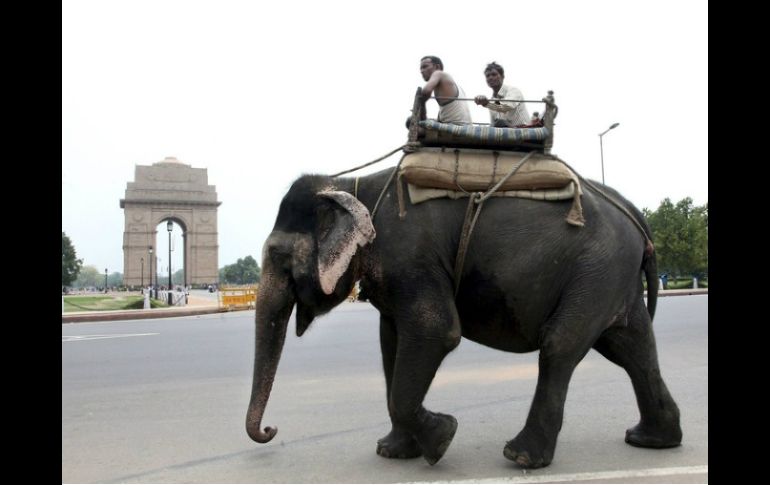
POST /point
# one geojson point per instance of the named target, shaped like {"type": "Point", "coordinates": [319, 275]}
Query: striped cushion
{"type": "Point", "coordinates": [487, 133]}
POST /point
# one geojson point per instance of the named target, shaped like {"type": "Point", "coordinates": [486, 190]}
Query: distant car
{"type": "Point", "coordinates": [211, 289]}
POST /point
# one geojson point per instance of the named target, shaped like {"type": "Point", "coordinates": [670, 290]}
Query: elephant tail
{"type": "Point", "coordinates": [650, 268]}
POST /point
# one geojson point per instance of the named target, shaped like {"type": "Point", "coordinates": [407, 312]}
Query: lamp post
{"type": "Point", "coordinates": [142, 280]}
{"type": "Point", "coordinates": [169, 226]}
{"type": "Point", "coordinates": [105, 280]}
{"type": "Point", "coordinates": [149, 248]}
{"type": "Point", "coordinates": [601, 148]}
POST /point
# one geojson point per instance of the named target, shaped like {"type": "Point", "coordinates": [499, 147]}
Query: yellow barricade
{"type": "Point", "coordinates": [239, 297]}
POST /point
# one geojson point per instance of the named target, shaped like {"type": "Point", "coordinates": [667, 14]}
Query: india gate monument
{"type": "Point", "coordinates": [173, 191]}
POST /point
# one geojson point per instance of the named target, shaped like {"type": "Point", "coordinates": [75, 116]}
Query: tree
{"type": "Point", "coordinates": [178, 277]}
{"type": "Point", "coordinates": [244, 271]}
{"type": "Point", "coordinates": [70, 264]}
{"type": "Point", "coordinates": [114, 279]}
{"type": "Point", "coordinates": [89, 276]}
{"type": "Point", "coordinates": [680, 233]}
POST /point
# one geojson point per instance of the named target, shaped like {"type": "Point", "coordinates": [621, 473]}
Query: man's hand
{"type": "Point", "coordinates": [482, 100]}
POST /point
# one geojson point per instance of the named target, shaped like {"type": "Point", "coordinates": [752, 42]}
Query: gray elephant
{"type": "Point", "coordinates": [529, 282]}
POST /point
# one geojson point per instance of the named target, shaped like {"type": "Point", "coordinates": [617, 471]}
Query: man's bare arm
{"type": "Point", "coordinates": [432, 84]}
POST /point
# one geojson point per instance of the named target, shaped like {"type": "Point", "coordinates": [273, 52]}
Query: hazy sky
{"type": "Point", "coordinates": [262, 92]}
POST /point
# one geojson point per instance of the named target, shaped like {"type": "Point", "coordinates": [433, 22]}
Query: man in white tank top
{"type": "Point", "coordinates": [443, 87]}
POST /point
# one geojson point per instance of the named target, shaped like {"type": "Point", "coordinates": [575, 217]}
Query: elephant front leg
{"type": "Point", "coordinates": [534, 446]}
{"type": "Point", "coordinates": [422, 345]}
{"type": "Point", "coordinates": [399, 443]}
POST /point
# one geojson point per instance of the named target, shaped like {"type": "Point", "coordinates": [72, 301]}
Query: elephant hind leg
{"type": "Point", "coordinates": [563, 346]}
{"type": "Point", "coordinates": [535, 445]}
{"type": "Point", "coordinates": [632, 347]}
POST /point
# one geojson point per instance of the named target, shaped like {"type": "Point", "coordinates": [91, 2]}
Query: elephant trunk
{"type": "Point", "coordinates": [275, 301]}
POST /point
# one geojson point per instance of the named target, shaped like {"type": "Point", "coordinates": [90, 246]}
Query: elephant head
{"type": "Point", "coordinates": [306, 260]}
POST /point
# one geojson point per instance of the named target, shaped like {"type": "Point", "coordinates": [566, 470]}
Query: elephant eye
{"type": "Point", "coordinates": [279, 253]}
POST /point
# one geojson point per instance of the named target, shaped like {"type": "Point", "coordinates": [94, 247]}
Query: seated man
{"type": "Point", "coordinates": [502, 114]}
{"type": "Point", "coordinates": [446, 91]}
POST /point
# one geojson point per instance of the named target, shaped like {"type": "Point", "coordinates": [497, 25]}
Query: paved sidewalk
{"type": "Point", "coordinates": [195, 306]}
{"type": "Point", "coordinates": [202, 306]}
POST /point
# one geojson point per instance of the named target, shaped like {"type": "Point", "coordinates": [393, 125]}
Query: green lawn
{"type": "Point", "coordinates": [107, 302]}
{"type": "Point", "coordinates": [681, 284]}
{"type": "Point", "coordinates": [686, 283]}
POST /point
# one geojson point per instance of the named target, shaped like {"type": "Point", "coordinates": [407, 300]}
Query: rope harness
{"type": "Point", "coordinates": [477, 199]}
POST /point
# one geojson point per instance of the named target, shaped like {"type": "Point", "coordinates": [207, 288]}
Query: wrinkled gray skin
{"type": "Point", "coordinates": [530, 282]}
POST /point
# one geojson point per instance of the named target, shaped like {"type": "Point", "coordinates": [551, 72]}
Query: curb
{"type": "Point", "coordinates": [699, 291]}
{"type": "Point", "coordinates": [138, 314]}
{"type": "Point", "coordinates": [186, 312]}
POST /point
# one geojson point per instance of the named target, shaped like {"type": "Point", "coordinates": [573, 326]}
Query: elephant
{"type": "Point", "coordinates": [529, 282]}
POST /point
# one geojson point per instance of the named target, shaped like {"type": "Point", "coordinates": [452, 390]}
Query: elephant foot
{"type": "Point", "coordinates": [528, 452]}
{"type": "Point", "coordinates": [649, 437]}
{"type": "Point", "coordinates": [436, 435]}
{"type": "Point", "coordinates": [398, 444]}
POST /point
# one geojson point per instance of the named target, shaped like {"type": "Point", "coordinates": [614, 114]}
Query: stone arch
{"type": "Point", "coordinates": [179, 220]}
{"type": "Point", "coordinates": [165, 190]}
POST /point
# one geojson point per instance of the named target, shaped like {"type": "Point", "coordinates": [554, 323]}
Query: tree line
{"type": "Point", "coordinates": [74, 274]}
{"type": "Point", "coordinates": [681, 236]}
{"type": "Point", "coordinates": [680, 233]}
{"type": "Point", "coordinates": [245, 271]}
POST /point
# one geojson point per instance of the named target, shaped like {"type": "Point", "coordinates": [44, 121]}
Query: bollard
{"type": "Point", "coordinates": [147, 300]}
{"type": "Point", "coordinates": [660, 283]}
{"type": "Point", "coordinates": [694, 283]}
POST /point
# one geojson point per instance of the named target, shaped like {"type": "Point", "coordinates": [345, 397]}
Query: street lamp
{"type": "Point", "coordinates": [601, 148]}
{"type": "Point", "coordinates": [105, 280]}
{"type": "Point", "coordinates": [169, 226]}
{"type": "Point", "coordinates": [149, 248]}
{"type": "Point", "coordinates": [142, 280]}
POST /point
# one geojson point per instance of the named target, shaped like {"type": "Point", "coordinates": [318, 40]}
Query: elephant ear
{"type": "Point", "coordinates": [337, 245]}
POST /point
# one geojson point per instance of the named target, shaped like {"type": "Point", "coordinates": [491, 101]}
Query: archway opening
{"type": "Point", "coordinates": [171, 254]}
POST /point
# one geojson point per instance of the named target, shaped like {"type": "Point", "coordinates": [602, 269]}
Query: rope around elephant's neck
{"type": "Point", "coordinates": [390, 179]}
{"type": "Point", "coordinates": [387, 184]}
{"type": "Point", "coordinates": [369, 163]}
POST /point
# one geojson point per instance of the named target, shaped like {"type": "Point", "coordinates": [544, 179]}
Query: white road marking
{"type": "Point", "coordinates": [571, 477]}
{"type": "Point", "coordinates": [77, 338]}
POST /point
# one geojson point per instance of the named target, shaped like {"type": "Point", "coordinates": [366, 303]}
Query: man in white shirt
{"type": "Point", "coordinates": [502, 114]}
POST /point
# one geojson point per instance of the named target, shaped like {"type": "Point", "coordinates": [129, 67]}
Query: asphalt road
{"type": "Point", "coordinates": [164, 401]}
